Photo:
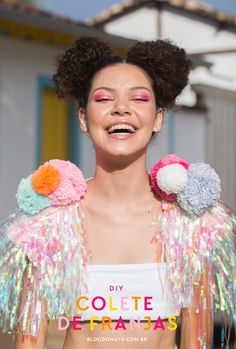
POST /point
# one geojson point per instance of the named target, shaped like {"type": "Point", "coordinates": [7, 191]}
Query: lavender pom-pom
{"type": "Point", "coordinates": [202, 189]}
{"type": "Point", "coordinates": [28, 200]}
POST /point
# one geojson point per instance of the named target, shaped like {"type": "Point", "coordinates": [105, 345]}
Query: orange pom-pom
{"type": "Point", "coordinates": [45, 180]}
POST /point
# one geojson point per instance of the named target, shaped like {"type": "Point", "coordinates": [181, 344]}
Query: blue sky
{"type": "Point", "coordinates": [82, 9]}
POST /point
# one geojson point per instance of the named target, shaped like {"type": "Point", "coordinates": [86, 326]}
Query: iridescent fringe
{"type": "Point", "coordinates": [194, 247]}
{"type": "Point", "coordinates": [42, 267]}
{"type": "Point", "coordinates": [46, 255]}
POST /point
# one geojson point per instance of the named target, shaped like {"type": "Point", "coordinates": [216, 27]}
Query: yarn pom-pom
{"type": "Point", "coordinates": [201, 191]}
{"type": "Point", "coordinates": [172, 178]}
{"type": "Point", "coordinates": [169, 182]}
{"type": "Point", "coordinates": [55, 183]}
{"type": "Point", "coordinates": [45, 179]}
{"type": "Point", "coordinates": [28, 200]}
{"type": "Point", "coordinates": [72, 185]}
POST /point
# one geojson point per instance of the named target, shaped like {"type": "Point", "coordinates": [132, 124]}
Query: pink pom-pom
{"type": "Point", "coordinates": [167, 160]}
{"type": "Point", "coordinates": [72, 185]}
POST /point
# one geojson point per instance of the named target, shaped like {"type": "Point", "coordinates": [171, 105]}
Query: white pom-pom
{"type": "Point", "coordinates": [172, 178]}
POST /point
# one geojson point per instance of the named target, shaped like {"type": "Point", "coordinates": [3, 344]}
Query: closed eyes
{"type": "Point", "coordinates": [142, 99]}
{"type": "Point", "coordinates": [137, 97]}
{"type": "Point", "coordinates": [103, 99]}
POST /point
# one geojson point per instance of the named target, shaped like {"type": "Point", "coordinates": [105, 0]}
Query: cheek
{"type": "Point", "coordinates": [94, 116]}
{"type": "Point", "coordinates": [95, 122]}
{"type": "Point", "coordinates": [146, 113]}
{"type": "Point", "coordinates": [98, 109]}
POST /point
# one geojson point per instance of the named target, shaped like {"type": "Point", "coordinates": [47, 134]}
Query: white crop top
{"type": "Point", "coordinates": [111, 288]}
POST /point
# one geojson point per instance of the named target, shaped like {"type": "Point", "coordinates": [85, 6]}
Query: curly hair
{"type": "Point", "coordinates": [166, 64]}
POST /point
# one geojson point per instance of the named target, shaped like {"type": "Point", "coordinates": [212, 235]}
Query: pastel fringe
{"type": "Point", "coordinates": [50, 249]}
{"type": "Point", "coordinates": [190, 246]}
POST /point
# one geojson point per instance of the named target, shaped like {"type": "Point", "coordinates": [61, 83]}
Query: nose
{"type": "Point", "coordinates": [121, 107]}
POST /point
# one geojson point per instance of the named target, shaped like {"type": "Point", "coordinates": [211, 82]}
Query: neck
{"type": "Point", "coordinates": [120, 182]}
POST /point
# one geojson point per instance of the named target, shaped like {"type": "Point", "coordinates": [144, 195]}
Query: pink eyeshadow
{"type": "Point", "coordinates": [98, 96]}
{"type": "Point", "coordinates": [144, 95]}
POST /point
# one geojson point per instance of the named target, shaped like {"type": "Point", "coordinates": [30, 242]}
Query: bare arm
{"type": "Point", "coordinates": [23, 341]}
{"type": "Point", "coordinates": [29, 342]}
{"type": "Point", "coordinates": [191, 320]}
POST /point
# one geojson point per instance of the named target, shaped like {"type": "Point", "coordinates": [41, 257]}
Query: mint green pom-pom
{"type": "Point", "coordinates": [28, 200]}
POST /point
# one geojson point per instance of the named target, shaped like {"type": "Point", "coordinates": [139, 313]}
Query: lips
{"type": "Point", "coordinates": [121, 128]}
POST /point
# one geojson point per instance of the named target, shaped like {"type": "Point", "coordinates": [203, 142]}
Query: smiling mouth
{"type": "Point", "coordinates": [121, 129]}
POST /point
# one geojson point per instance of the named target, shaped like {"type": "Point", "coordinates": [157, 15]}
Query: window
{"type": "Point", "coordinates": [58, 131]}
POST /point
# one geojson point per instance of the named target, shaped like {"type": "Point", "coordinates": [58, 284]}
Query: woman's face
{"type": "Point", "coordinates": [121, 112]}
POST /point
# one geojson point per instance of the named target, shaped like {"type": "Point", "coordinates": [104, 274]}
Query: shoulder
{"type": "Point", "coordinates": [45, 237]}
{"type": "Point", "coordinates": [54, 183]}
{"type": "Point", "coordinates": [191, 201]}
{"type": "Point", "coordinates": [194, 243]}
{"type": "Point", "coordinates": [47, 200]}
{"type": "Point", "coordinates": [198, 229]}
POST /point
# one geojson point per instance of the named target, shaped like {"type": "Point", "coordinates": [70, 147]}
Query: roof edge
{"type": "Point", "coordinates": [190, 6]}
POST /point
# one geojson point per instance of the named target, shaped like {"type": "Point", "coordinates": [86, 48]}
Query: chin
{"type": "Point", "coordinates": [125, 154]}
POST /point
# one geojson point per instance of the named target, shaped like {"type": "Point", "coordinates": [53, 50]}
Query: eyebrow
{"type": "Point", "coordinates": [112, 89]}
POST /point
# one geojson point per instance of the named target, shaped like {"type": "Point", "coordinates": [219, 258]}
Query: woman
{"type": "Point", "coordinates": [112, 235]}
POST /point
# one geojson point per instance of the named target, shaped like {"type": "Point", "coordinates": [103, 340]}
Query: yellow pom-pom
{"type": "Point", "coordinates": [45, 180]}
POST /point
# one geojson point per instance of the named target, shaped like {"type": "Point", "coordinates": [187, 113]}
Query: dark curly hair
{"type": "Point", "coordinates": [166, 64]}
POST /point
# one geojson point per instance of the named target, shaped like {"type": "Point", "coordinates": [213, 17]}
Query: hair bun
{"type": "Point", "coordinates": [92, 49]}
{"type": "Point", "coordinates": [78, 64]}
{"type": "Point", "coordinates": [167, 64]}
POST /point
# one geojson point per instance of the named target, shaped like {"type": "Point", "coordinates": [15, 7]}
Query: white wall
{"type": "Point", "coordinates": [221, 140]}
{"type": "Point", "coordinates": [20, 64]}
{"type": "Point", "coordinates": [188, 138]}
{"type": "Point", "coordinates": [140, 24]}
{"type": "Point", "coordinates": [190, 127]}
{"type": "Point", "coordinates": [195, 34]}
{"type": "Point", "coordinates": [192, 33]}
{"type": "Point", "coordinates": [159, 145]}
{"type": "Point", "coordinates": [87, 156]}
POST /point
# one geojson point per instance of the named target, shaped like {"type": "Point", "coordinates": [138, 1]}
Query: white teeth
{"type": "Point", "coordinates": [120, 127]}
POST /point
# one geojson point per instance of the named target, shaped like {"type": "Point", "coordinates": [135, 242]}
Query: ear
{"type": "Point", "coordinates": [158, 120]}
{"type": "Point", "coordinates": [82, 119]}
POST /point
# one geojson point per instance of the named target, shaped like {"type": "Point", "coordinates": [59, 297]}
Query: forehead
{"type": "Point", "coordinates": [122, 74]}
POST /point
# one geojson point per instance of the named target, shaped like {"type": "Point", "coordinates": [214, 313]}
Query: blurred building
{"type": "Point", "coordinates": [35, 126]}
{"type": "Point", "coordinates": [205, 127]}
